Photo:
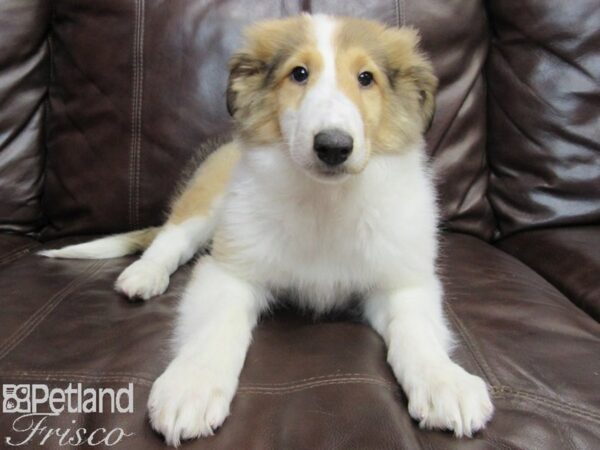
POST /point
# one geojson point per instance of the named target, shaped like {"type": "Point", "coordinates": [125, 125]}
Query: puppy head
{"type": "Point", "coordinates": [333, 91]}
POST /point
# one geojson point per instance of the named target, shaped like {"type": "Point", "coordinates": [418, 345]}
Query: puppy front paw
{"type": "Point", "coordinates": [450, 398]}
{"type": "Point", "coordinates": [143, 279]}
{"type": "Point", "coordinates": [187, 403]}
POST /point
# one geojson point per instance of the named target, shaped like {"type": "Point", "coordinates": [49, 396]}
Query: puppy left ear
{"type": "Point", "coordinates": [426, 83]}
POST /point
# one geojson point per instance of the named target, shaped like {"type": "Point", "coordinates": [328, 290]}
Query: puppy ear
{"type": "Point", "coordinates": [426, 83]}
{"type": "Point", "coordinates": [406, 64]}
{"type": "Point", "coordinates": [242, 66]}
{"type": "Point", "coordinates": [266, 45]}
{"type": "Point", "coordinates": [230, 98]}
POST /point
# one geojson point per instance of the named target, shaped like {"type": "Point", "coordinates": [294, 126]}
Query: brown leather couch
{"type": "Point", "coordinates": [104, 102]}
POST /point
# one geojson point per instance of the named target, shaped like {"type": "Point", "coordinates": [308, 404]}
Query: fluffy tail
{"type": "Point", "coordinates": [107, 247]}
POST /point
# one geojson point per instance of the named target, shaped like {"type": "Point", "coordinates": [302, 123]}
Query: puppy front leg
{"type": "Point", "coordinates": [441, 394]}
{"type": "Point", "coordinates": [175, 245]}
{"type": "Point", "coordinates": [191, 224]}
{"type": "Point", "coordinates": [215, 320]}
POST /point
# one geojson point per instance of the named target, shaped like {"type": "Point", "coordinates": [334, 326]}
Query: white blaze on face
{"type": "Point", "coordinates": [324, 107]}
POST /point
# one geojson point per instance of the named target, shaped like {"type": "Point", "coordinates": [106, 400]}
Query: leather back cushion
{"type": "Point", "coordinates": [23, 84]}
{"type": "Point", "coordinates": [138, 86]}
{"type": "Point", "coordinates": [544, 100]}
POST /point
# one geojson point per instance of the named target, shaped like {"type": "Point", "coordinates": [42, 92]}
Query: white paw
{"type": "Point", "coordinates": [189, 403]}
{"type": "Point", "coordinates": [143, 279]}
{"type": "Point", "coordinates": [450, 398]}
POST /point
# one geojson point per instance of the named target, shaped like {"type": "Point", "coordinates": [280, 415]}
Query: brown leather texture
{"type": "Point", "coordinates": [24, 70]}
{"type": "Point", "coordinates": [544, 135]}
{"type": "Point", "coordinates": [569, 257]}
{"type": "Point", "coordinates": [139, 86]}
{"type": "Point", "coordinates": [104, 102]}
{"type": "Point", "coordinates": [317, 384]}
{"type": "Point", "coordinates": [14, 246]}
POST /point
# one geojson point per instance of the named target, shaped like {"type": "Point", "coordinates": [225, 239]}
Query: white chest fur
{"type": "Point", "coordinates": [327, 241]}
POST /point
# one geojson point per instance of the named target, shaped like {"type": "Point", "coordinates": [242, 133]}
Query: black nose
{"type": "Point", "coordinates": [333, 146]}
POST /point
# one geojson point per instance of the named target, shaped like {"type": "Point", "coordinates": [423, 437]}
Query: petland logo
{"type": "Point", "coordinates": [36, 402]}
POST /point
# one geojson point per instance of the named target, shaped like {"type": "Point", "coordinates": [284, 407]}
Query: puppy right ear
{"type": "Point", "coordinates": [243, 68]}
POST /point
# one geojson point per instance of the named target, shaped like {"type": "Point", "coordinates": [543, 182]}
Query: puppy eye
{"type": "Point", "coordinates": [365, 79]}
{"type": "Point", "coordinates": [299, 74]}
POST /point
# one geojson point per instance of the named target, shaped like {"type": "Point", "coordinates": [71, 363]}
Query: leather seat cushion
{"type": "Point", "coordinates": [316, 384]}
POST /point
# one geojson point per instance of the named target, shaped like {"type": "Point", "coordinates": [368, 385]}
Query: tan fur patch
{"type": "Point", "coordinates": [256, 75]}
{"type": "Point", "coordinates": [208, 183]}
{"type": "Point", "coordinates": [290, 94]}
{"type": "Point", "coordinates": [398, 106]}
{"type": "Point", "coordinates": [395, 110]}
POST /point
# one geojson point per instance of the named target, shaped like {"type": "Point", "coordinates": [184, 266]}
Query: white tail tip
{"type": "Point", "coordinates": [107, 247]}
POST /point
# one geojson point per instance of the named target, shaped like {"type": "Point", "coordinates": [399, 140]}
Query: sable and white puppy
{"type": "Point", "coordinates": [324, 193]}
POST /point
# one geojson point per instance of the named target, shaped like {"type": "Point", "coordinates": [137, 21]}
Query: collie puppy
{"type": "Point", "coordinates": [323, 195]}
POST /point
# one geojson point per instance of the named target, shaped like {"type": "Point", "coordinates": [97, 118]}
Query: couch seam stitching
{"type": "Point", "coordinates": [43, 219]}
{"type": "Point", "coordinates": [310, 379]}
{"type": "Point", "coordinates": [133, 103]}
{"type": "Point", "coordinates": [140, 111]}
{"type": "Point", "coordinates": [135, 116]}
{"type": "Point", "coordinates": [291, 390]}
{"type": "Point", "coordinates": [498, 391]}
{"type": "Point", "coordinates": [65, 373]}
{"type": "Point", "coordinates": [96, 379]}
{"type": "Point", "coordinates": [7, 257]}
{"type": "Point", "coordinates": [399, 7]}
{"type": "Point", "coordinates": [250, 386]}
{"type": "Point", "coordinates": [402, 11]}
{"type": "Point", "coordinates": [41, 313]}
{"type": "Point", "coordinates": [472, 347]}
{"type": "Point", "coordinates": [274, 387]}
{"type": "Point", "coordinates": [16, 257]}
{"type": "Point", "coordinates": [282, 385]}
{"type": "Point", "coordinates": [242, 389]}
{"type": "Point", "coordinates": [506, 392]}
{"type": "Point", "coordinates": [495, 442]}
{"type": "Point", "coordinates": [13, 251]}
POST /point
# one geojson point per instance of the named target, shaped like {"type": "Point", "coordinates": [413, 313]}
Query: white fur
{"type": "Point", "coordinates": [103, 248]}
{"type": "Point", "coordinates": [441, 394]}
{"type": "Point", "coordinates": [216, 316]}
{"type": "Point", "coordinates": [174, 246]}
{"type": "Point", "coordinates": [324, 107]}
{"type": "Point", "coordinates": [375, 229]}
{"type": "Point", "coordinates": [374, 234]}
